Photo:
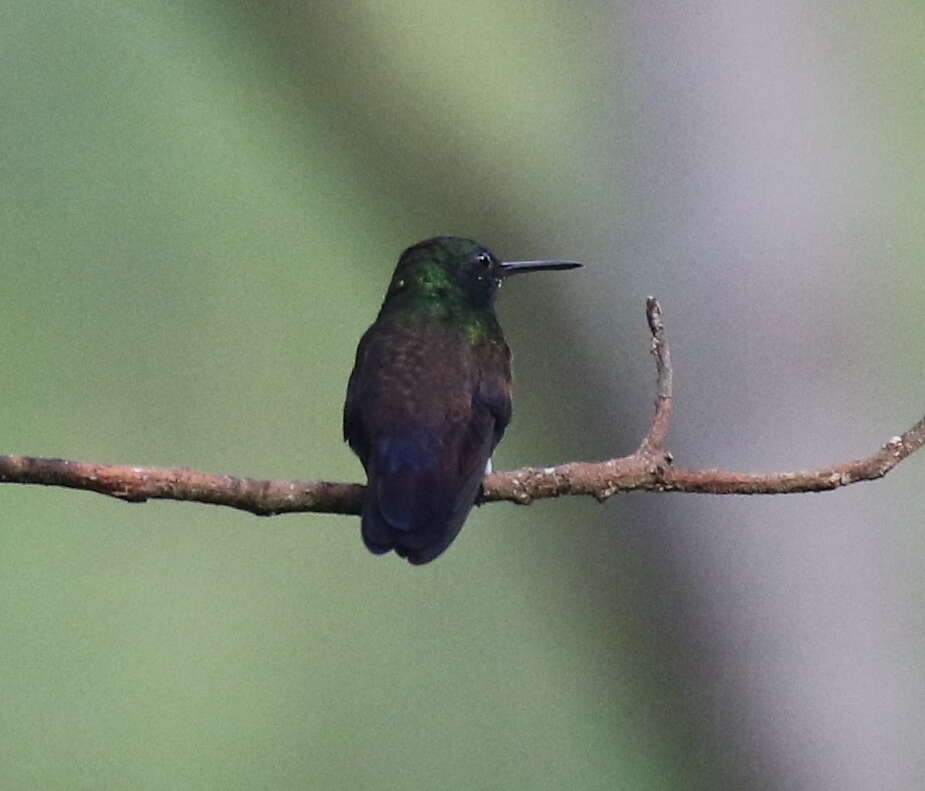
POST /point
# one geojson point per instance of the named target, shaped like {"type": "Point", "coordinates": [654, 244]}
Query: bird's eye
{"type": "Point", "coordinates": [483, 259]}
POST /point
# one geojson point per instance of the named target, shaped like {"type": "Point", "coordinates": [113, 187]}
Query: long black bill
{"type": "Point", "coordinates": [516, 267]}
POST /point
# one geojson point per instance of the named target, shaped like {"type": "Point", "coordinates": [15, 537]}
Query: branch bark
{"type": "Point", "coordinates": [648, 469]}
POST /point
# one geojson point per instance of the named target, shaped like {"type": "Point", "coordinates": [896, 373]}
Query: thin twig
{"type": "Point", "coordinates": [653, 444]}
{"type": "Point", "coordinates": [648, 469]}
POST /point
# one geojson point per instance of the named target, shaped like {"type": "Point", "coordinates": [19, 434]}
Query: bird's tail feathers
{"type": "Point", "coordinates": [406, 507]}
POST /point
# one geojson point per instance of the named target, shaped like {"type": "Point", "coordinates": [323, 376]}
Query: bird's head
{"type": "Point", "coordinates": [450, 268]}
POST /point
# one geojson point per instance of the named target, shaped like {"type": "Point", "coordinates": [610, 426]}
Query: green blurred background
{"type": "Point", "coordinates": [201, 205]}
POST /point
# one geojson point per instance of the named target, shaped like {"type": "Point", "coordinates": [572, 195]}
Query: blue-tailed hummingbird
{"type": "Point", "coordinates": [430, 394]}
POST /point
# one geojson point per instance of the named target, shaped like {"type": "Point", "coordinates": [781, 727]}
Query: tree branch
{"type": "Point", "coordinates": [648, 469]}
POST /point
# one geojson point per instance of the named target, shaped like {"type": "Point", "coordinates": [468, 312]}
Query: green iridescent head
{"type": "Point", "coordinates": [447, 268]}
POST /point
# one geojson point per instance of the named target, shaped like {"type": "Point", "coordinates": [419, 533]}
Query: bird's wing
{"type": "Point", "coordinates": [353, 425]}
{"type": "Point", "coordinates": [494, 390]}
{"type": "Point", "coordinates": [494, 395]}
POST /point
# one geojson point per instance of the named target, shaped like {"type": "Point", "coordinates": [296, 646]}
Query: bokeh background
{"type": "Point", "coordinates": [201, 205]}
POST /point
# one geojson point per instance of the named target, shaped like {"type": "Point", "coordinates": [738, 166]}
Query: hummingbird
{"type": "Point", "coordinates": [429, 397]}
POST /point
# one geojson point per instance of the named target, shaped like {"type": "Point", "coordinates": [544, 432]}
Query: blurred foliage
{"type": "Point", "coordinates": [202, 205]}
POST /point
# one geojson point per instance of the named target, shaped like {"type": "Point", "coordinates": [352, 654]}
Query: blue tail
{"type": "Point", "coordinates": [414, 504]}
